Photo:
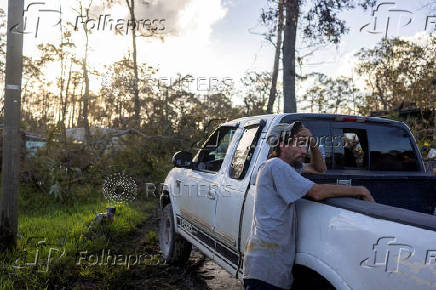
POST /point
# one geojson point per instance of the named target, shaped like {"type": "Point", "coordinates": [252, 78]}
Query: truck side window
{"type": "Point", "coordinates": [352, 152]}
{"type": "Point", "coordinates": [243, 154]}
{"type": "Point", "coordinates": [211, 156]}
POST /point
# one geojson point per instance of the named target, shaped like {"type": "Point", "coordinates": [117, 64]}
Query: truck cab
{"type": "Point", "coordinates": [208, 200]}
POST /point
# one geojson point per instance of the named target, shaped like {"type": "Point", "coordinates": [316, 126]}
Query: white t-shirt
{"type": "Point", "coordinates": [270, 250]}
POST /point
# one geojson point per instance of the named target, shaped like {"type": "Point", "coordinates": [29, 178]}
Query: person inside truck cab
{"type": "Point", "coordinates": [270, 249]}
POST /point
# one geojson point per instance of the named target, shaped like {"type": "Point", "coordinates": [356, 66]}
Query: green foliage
{"type": "Point", "coordinates": [397, 70]}
{"type": "Point", "coordinates": [151, 237]}
{"type": "Point", "coordinates": [322, 23]}
{"type": "Point", "coordinates": [257, 87]}
{"type": "Point", "coordinates": [327, 95]}
{"type": "Point", "coordinates": [57, 167]}
{"type": "Point", "coordinates": [146, 160]}
{"type": "Point", "coordinates": [400, 74]}
{"type": "Point", "coordinates": [65, 229]}
{"type": "Point", "coordinates": [69, 172]}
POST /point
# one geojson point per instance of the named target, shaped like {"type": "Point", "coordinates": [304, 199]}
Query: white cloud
{"type": "Point", "coordinates": [421, 38]}
{"type": "Point", "coordinates": [186, 48]}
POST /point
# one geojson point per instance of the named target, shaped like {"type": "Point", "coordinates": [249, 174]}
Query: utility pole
{"type": "Point", "coordinates": [11, 135]}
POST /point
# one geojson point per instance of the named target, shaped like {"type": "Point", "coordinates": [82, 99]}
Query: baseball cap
{"type": "Point", "coordinates": [282, 130]}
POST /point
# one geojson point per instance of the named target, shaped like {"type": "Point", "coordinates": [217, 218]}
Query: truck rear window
{"type": "Point", "coordinates": [351, 152]}
{"type": "Point", "coordinates": [377, 147]}
{"type": "Point", "coordinates": [364, 146]}
{"type": "Point", "coordinates": [391, 149]}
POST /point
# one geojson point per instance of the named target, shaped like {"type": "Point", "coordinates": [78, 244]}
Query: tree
{"type": "Point", "coordinates": [328, 95]}
{"type": "Point", "coordinates": [321, 24]}
{"type": "Point", "coordinates": [86, 95]}
{"type": "Point", "coordinates": [12, 140]}
{"type": "Point", "coordinates": [269, 18]}
{"type": "Point", "coordinates": [131, 5]}
{"type": "Point", "coordinates": [256, 89]}
{"type": "Point", "coordinates": [2, 41]}
{"type": "Point", "coordinates": [397, 70]}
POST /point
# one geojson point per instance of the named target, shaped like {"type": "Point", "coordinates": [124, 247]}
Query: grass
{"type": "Point", "coordinates": [49, 230]}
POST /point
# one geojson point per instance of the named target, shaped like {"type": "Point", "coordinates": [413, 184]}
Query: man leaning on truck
{"type": "Point", "coordinates": [270, 250]}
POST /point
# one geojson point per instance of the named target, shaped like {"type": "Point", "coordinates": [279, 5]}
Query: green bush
{"type": "Point", "coordinates": [69, 172]}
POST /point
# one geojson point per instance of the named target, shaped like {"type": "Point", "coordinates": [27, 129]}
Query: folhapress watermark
{"type": "Point", "coordinates": [121, 25]}
{"type": "Point", "coordinates": [42, 257]}
{"type": "Point", "coordinates": [38, 14]}
{"type": "Point", "coordinates": [39, 262]}
{"type": "Point", "coordinates": [388, 253]}
{"type": "Point", "coordinates": [388, 18]}
{"type": "Point", "coordinates": [31, 25]}
{"type": "Point", "coordinates": [110, 258]}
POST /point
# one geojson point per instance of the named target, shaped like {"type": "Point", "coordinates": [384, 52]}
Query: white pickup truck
{"type": "Point", "coordinates": [344, 243]}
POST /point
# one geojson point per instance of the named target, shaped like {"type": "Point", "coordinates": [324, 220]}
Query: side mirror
{"type": "Point", "coordinates": [182, 159]}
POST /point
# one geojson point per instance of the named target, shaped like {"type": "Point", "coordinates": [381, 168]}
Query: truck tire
{"type": "Point", "coordinates": [175, 249]}
{"type": "Point", "coordinates": [308, 279]}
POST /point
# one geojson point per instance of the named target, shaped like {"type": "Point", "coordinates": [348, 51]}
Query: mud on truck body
{"type": "Point", "coordinates": [342, 243]}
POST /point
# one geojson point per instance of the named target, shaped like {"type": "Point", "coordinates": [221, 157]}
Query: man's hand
{"type": "Point", "coordinates": [364, 194]}
{"type": "Point", "coordinates": [317, 163]}
{"type": "Point", "coordinates": [307, 136]}
{"type": "Point", "coordinates": [322, 191]}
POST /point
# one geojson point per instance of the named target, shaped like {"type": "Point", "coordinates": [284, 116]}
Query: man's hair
{"type": "Point", "coordinates": [286, 137]}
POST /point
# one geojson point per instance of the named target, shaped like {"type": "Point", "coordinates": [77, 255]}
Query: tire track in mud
{"type": "Point", "coordinates": [199, 273]}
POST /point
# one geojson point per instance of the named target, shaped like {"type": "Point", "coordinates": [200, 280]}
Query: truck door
{"type": "Point", "coordinates": [234, 185]}
{"type": "Point", "coordinates": [200, 187]}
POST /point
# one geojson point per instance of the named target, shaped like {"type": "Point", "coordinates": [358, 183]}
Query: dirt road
{"type": "Point", "coordinates": [199, 273]}
{"type": "Point", "coordinates": [212, 275]}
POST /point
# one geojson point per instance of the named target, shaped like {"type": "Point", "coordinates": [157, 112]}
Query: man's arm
{"type": "Point", "coordinates": [317, 163]}
{"type": "Point", "coordinates": [322, 191]}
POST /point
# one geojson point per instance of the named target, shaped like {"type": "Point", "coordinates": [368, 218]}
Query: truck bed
{"type": "Point", "coordinates": [412, 192]}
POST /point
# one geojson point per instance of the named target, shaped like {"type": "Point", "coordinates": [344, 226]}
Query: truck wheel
{"type": "Point", "coordinates": [175, 249]}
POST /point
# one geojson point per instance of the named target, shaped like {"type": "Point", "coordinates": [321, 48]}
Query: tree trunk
{"type": "Point", "coordinates": [137, 105]}
{"type": "Point", "coordinates": [434, 124]}
{"type": "Point", "coordinates": [79, 117]}
{"type": "Point", "coordinates": [73, 101]}
{"type": "Point", "coordinates": [44, 106]}
{"type": "Point", "coordinates": [275, 74]}
{"type": "Point", "coordinates": [67, 88]}
{"type": "Point", "coordinates": [86, 100]}
{"type": "Point", "coordinates": [86, 79]}
{"type": "Point", "coordinates": [12, 142]}
{"type": "Point", "coordinates": [61, 86]}
{"type": "Point", "coordinates": [292, 12]}
{"type": "Point", "coordinates": [381, 95]}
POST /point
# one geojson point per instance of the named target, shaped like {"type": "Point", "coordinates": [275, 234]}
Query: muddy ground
{"type": "Point", "coordinates": [199, 273]}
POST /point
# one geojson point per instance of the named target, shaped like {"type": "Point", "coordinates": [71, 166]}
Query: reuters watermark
{"type": "Point", "coordinates": [187, 83]}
